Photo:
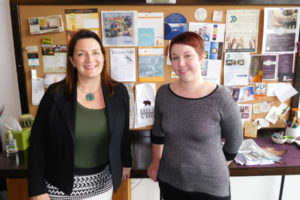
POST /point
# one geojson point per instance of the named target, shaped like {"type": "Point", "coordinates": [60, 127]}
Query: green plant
{"type": "Point", "coordinates": [26, 120]}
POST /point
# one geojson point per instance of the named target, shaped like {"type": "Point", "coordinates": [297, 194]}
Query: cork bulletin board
{"type": "Point", "coordinates": [29, 11]}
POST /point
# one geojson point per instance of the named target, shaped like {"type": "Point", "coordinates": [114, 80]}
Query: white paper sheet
{"type": "Point", "coordinates": [37, 90]}
{"type": "Point", "coordinates": [272, 87]}
{"type": "Point", "coordinates": [285, 92]}
{"type": "Point", "coordinates": [236, 68]}
{"type": "Point", "coordinates": [217, 16]}
{"type": "Point", "coordinates": [211, 70]}
{"type": "Point", "coordinates": [53, 78]}
{"type": "Point", "coordinates": [123, 65]}
{"type": "Point", "coordinates": [262, 123]}
{"type": "Point", "coordinates": [272, 115]}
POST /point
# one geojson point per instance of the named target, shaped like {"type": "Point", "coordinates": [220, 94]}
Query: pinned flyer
{"type": "Point", "coordinates": [53, 78]}
{"type": "Point", "coordinates": [285, 92]}
{"type": "Point", "coordinates": [175, 24]}
{"type": "Point", "coordinates": [217, 16]}
{"type": "Point", "coordinates": [272, 115]}
{"type": "Point", "coordinates": [151, 64]}
{"type": "Point", "coordinates": [33, 60]}
{"type": "Point", "coordinates": [262, 123]}
{"type": "Point", "coordinates": [30, 49]}
{"type": "Point", "coordinates": [37, 90]}
{"type": "Point", "coordinates": [39, 25]}
{"type": "Point", "coordinates": [261, 107]}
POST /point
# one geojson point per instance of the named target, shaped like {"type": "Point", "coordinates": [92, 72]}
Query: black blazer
{"type": "Point", "coordinates": [51, 150]}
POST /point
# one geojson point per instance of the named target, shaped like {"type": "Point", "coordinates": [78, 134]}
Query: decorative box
{"type": "Point", "coordinates": [22, 138]}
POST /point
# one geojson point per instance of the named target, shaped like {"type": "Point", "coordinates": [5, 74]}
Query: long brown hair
{"type": "Point", "coordinates": [189, 38]}
{"type": "Point", "coordinates": [71, 76]}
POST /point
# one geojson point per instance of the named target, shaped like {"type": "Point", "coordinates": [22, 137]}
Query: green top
{"type": "Point", "coordinates": [92, 138]}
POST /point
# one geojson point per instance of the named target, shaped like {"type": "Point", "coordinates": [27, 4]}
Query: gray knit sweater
{"type": "Point", "coordinates": [191, 130]}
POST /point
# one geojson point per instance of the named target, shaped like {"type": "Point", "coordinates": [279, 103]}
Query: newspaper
{"type": "Point", "coordinates": [251, 154]}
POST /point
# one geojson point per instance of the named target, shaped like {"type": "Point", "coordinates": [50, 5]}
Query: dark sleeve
{"type": "Point", "coordinates": [126, 140]}
{"type": "Point", "coordinates": [157, 134]}
{"type": "Point", "coordinates": [231, 126]}
{"type": "Point", "coordinates": [36, 164]}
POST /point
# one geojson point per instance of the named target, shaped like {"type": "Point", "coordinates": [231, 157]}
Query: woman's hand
{"type": "Point", "coordinates": [153, 170]}
{"type": "Point", "coordinates": [41, 197]}
{"type": "Point", "coordinates": [229, 162]}
{"type": "Point", "coordinates": [126, 173]}
{"type": "Point", "coordinates": [157, 150]}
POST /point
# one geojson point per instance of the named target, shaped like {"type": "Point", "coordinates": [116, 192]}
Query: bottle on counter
{"type": "Point", "coordinates": [11, 144]}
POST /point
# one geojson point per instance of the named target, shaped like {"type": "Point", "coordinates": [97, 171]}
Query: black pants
{"type": "Point", "coordinates": [169, 192]}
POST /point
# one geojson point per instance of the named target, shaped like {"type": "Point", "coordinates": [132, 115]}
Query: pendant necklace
{"type": "Point", "coordinates": [89, 96]}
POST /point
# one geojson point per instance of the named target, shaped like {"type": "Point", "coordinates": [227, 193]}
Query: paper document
{"type": "Point", "coordinates": [281, 29]}
{"type": "Point", "coordinates": [272, 87]}
{"type": "Point", "coordinates": [150, 29]}
{"type": "Point", "coordinates": [241, 30]}
{"type": "Point", "coordinates": [236, 68]}
{"type": "Point", "coordinates": [53, 78]}
{"type": "Point", "coordinates": [39, 25]}
{"type": "Point", "coordinates": [37, 90]}
{"type": "Point", "coordinates": [211, 70]}
{"type": "Point", "coordinates": [285, 92]}
{"type": "Point", "coordinates": [119, 28]}
{"type": "Point", "coordinates": [54, 58]}
{"type": "Point", "coordinates": [151, 64]}
{"type": "Point", "coordinates": [78, 19]}
{"type": "Point", "coordinates": [123, 65]}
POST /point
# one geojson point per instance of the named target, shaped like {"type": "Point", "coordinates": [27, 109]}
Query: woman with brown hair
{"type": "Point", "coordinates": [80, 143]}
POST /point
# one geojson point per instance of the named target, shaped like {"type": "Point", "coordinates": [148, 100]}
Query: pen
{"type": "Point", "coordinates": [295, 117]}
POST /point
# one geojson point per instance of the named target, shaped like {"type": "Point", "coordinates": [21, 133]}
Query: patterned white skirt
{"type": "Point", "coordinates": [94, 186]}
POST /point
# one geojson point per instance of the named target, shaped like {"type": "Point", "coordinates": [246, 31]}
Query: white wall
{"type": "Point", "coordinates": [144, 189]}
{"type": "Point", "coordinates": [9, 92]}
{"type": "Point", "coordinates": [243, 188]}
{"type": "Point", "coordinates": [291, 188]}
{"type": "Point", "coordinates": [255, 187]}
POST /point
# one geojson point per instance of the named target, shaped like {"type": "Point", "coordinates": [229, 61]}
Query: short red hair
{"type": "Point", "coordinates": [189, 38]}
